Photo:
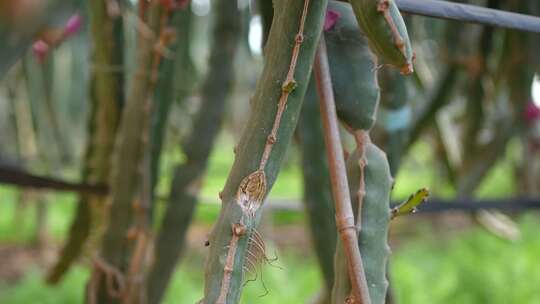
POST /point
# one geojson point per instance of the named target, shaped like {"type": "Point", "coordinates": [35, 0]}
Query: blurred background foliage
{"type": "Point", "coordinates": [438, 258]}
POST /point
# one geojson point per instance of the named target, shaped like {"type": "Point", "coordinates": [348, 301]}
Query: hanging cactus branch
{"type": "Point", "coordinates": [252, 189]}
{"type": "Point", "coordinates": [367, 167]}
{"type": "Point", "coordinates": [374, 215]}
{"type": "Point", "coordinates": [383, 25]}
{"type": "Point", "coordinates": [353, 72]}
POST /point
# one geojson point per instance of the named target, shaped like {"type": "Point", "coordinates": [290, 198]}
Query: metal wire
{"type": "Point", "coordinates": [470, 13]}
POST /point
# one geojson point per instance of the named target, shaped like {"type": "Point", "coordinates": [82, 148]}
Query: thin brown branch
{"type": "Point", "coordinates": [340, 187]}
{"type": "Point", "coordinates": [238, 230]}
{"type": "Point", "coordinates": [288, 86]}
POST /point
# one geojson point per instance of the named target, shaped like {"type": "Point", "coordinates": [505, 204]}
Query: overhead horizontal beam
{"type": "Point", "coordinates": [19, 177]}
{"type": "Point", "coordinates": [470, 13]}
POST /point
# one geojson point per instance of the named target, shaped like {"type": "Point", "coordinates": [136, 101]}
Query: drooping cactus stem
{"type": "Point", "coordinates": [383, 7]}
{"type": "Point", "coordinates": [385, 29]}
{"type": "Point", "coordinates": [373, 216]}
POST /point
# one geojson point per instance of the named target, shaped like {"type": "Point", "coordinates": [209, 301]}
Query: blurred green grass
{"type": "Point", "coordinates": [472, 267]}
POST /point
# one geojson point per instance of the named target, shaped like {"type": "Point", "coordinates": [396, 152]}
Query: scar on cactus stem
{"type": "Point", "coordinates": [251, 193]}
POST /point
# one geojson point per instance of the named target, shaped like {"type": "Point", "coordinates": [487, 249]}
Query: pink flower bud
{"type": "Point", "coordinates": [532, 112]}
{"type": "Point", "coordinates": [73, 25]}
{"type": "Point", "coordinates": [330, 19]}
{"type": "Point", "coordinates": [40, 49]}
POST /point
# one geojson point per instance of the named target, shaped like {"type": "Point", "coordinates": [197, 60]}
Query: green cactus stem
{"type": "Point", "coordinates": [176, 77]}
{"type": "Point", "coordinates": [383, 25]}
{"type": "Point", "coordinates": [118, 244]}
{"type": "Point", "coordinates": [289, 54]}
{"type": "Point", "coordinates": [197, 147]}
{"type": "Point", "coordinates": [164, 93]}
{"type": "Point", "coordinates": [266, 10]}
{"type": "Point", "coordinates": [354, 75]}
{"type": "Point", "coordinates": [317, 196]}
{"type": "Point", "coordinates": [372, 221]}
{"type": "Point", "coordinates": [394, 117]}
{"type": "Point", "coordinates": [107, 95]}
